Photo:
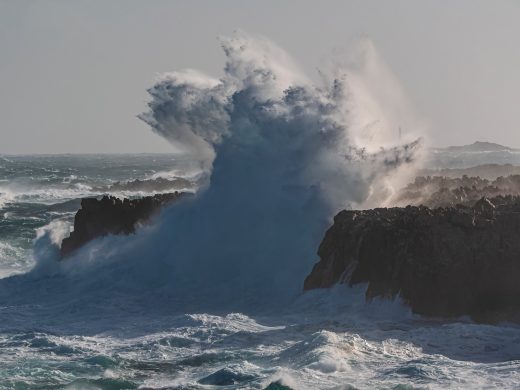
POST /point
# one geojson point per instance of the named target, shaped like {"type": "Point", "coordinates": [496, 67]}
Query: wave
{"type": "Point", "coordinates": [155, 185]}
{"type": "Point", "coordinates": [41, 194]}
{"type": "Point", "coordinates": [327, 340]}
{"type": "Point", "coordinates": [14, 260]}
{"type": "Point", "coordinates": [158, 309]}
{"type": "Point", "coordinates": [12, 194]}
{"type": "Point", "coordinates": [5, 197]}
{"type": "Point", "coordinates": [284, 155]}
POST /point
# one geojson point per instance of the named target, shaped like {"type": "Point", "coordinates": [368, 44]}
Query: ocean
{"type": "Point", "coordinates": [35, 190]}
{"type": "Point", "coordinates": [105, 321]}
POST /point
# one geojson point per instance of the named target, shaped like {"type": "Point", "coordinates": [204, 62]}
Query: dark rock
{"type": "Point", "coordinates": [226, 377]}
{"type": "Point", "coordinates": [442, 262]}
{"type": "Point", "coordinates": [111, 215]}
{"type": "Point", "coordinates": [277, 386]}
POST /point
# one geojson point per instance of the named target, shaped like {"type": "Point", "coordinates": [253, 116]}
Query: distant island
{"type": "Point", "coordinates": [467, 156]}
{"type": "Point", "coordinates": [478, 146]}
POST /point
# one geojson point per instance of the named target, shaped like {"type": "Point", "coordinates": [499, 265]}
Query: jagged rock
{"type": "Point", "coordinates": [277, 386]}
{"type": "Point", "coordinates": [111, 215]}
{"type": "Point", "coordinates": [226, 377]}
{"type": "Point", "coordinates": [442, 262]}
{"type": "Point", "coordinates": [485, 208]}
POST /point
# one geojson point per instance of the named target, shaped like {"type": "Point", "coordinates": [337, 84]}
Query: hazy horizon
{"type": "Point", "coordinates": [75, 74]}
{"type": "Point", "coordinates": [172, 152]}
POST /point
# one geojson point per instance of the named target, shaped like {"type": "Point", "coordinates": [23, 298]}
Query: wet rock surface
{"type": "Point", "coordinates": [443, 262]}
{"type": "Point", "coordinates": [111, 215]}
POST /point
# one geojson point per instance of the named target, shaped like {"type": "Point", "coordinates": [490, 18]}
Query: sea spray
{"type": "Point", "coordinates": [284, 156]}
{"type": "Point", "coordinates": [127, 312]}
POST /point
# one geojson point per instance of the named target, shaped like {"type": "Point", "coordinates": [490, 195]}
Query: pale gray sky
{"type": "Point", "coordinates": [73, 74]}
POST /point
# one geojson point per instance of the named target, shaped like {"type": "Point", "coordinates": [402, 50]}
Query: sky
{"type": "Point", "coordinates": [74, 74]}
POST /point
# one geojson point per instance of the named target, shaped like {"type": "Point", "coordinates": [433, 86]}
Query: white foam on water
{"type": "Point", "coordinates": [13, 260]}
{"type": "Point", "coordinates": [57, 230]}
{"type": "Point", "coordinates": [303, 349]}
{"type": "Point", "coordinates": [5, 197]}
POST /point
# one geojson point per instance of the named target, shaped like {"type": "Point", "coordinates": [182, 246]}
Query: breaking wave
{"type": "Point", "coordinates": [209, 295]}
{"type": "Point", "coordinates": [283, 155]}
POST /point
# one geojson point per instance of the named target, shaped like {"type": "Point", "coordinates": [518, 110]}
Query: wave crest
{"type": "Point", "coordinates": [284, 155]}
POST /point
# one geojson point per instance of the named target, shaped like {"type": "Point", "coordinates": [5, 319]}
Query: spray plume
{"type": "Point", "coordinates": [284, 156]}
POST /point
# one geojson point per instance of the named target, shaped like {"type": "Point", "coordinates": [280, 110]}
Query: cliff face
{"type": "Point", "coordinates": [111, 215]}
{"type": "Point", "coordinates": [442, 262]}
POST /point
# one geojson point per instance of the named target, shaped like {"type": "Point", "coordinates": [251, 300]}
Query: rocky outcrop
{"type": "Point", "coordinates": [110, 215]}
{"type": "Point", "coordinates": [441, 262]}
{"type": "Point", "coordinates": [277, 386]}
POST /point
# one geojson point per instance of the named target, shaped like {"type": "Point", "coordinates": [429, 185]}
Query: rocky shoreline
{"type": "Point", "coordinates": [449, 254]}
{"type": "Point", "coordinates": [443, 262]}
{"type": "Point", "coordinates": [111, 215]}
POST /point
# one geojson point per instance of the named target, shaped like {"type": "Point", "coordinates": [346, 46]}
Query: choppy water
{"type": "Point", "coordinates": [34, 190]}
{"type": "Point", "coordinates": [56, 332]}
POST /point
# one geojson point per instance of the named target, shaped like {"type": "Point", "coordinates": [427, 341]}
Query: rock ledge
{"type": "Point", "coordinates": [444, 262]}
{"type": "Point", "coordinates": [111, 215]}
